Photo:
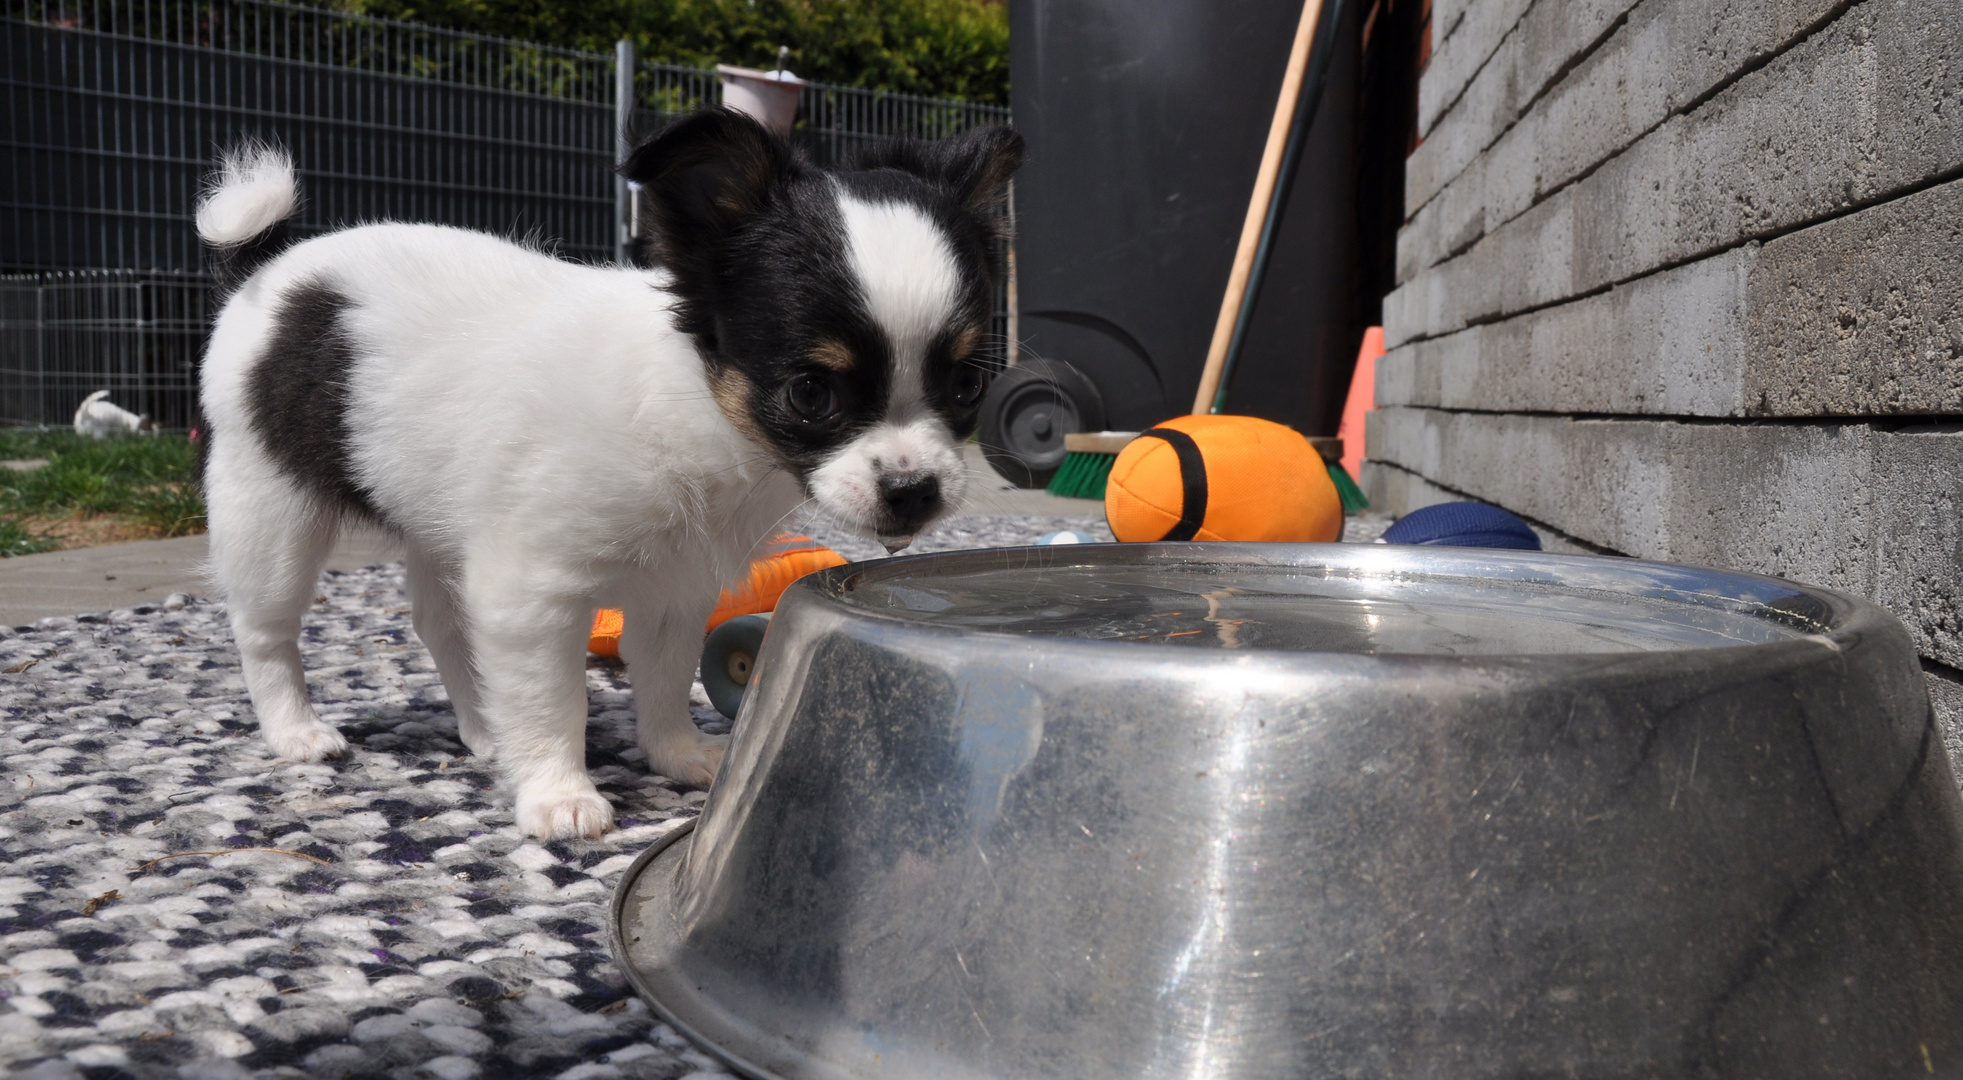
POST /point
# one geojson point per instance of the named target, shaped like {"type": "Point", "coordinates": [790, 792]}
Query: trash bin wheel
{"type": "Point", "coordinates": [1028, 410]}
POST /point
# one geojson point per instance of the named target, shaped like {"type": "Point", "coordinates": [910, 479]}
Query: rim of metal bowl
{"type": "Point", "coordinates": [617, 936]}
{"type": "Point", "coordinates": [1827, 614]}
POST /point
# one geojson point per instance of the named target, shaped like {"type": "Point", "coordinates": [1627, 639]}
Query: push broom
{"type": "Point", "coordinates": [1089, 456]}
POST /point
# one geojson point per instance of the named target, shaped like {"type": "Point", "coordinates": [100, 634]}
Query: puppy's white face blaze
{"type": "Point", "coordinates": [912, 290]}
{"type": "Point", "coordinates": [910, 284]}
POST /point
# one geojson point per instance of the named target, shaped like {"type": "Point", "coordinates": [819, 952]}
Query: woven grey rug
{"type": "Point", "coordinates": [176, 903]}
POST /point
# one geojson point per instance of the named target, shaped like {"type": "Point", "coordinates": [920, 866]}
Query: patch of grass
{"type": "Point", "coordinates": [32, 442]}
{"type": "Point", "coordinates": [17, 539]}
{"type": "Point", "coordinates": [149, 484]}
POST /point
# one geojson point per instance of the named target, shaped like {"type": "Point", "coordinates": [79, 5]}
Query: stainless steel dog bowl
{"type": "Point", "coordinates": [1231, 811]}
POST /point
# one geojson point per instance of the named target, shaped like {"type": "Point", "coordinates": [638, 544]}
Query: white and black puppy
{"type": "Point", "coordinates": [546, 437]}
{"type": "Point", "coordinates": [98, 417]}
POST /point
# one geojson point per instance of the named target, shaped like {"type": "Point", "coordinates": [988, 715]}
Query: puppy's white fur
{"type": "Point", "coordinates": [545, 442]}
{"type": "Point", "coordinates": [254, 191]}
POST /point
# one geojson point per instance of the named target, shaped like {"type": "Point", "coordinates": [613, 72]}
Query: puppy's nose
{"type": "Point", "coordinates": [910, 498]}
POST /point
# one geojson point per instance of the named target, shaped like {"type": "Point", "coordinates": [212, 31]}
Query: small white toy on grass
{"type": "Point", "coordinates": [99, 418]}
{"type": "Point", "coordinates": [1068, 536]}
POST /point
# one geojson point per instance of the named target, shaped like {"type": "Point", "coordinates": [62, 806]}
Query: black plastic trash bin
{"type": "Point", "coordinates": [1146, 122]}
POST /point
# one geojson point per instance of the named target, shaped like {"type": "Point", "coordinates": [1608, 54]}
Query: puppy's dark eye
{"type": "Point", "coordinates": [811, 397]}
{"type": "Point", "coordinates": [968, 385]}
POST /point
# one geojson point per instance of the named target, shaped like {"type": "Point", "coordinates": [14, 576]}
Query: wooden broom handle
{"type": "Point", "coordinates": [1257, 206]}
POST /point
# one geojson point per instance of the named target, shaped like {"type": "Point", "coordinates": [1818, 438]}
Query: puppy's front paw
{"type": "Point", "coordinates": [561, 814]}
{"type": "Point", "coordinates": [693, 763]}
{"type": "Point", "coordinates": [306, 742]}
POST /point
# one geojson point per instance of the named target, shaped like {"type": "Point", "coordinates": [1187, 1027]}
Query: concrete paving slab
{"type": "Point", "coordinates": [988, 493]}
{"type": "Point", "coordinates": [127, 575]}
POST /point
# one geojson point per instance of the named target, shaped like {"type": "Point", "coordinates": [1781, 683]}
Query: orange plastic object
{"type": "Point", "coordinates": [605, 638]}
{"type": "Point", "coordinates": [1362, 398]}
{"type": "Point", "coordinates": [795, 557]}
{"type": "Point", "coordinates": [1254, 480]}
{"type": "Point", "coordinates": [791, 558]}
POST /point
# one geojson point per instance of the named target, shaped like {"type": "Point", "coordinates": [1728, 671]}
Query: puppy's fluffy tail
{"type": "Point", "coordinates": [244, 212]}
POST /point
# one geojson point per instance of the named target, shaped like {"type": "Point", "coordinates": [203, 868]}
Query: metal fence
{"type": "Point", "coordinates": [834, 120]}
{"type": "Point", "coordinates": [112, 112]}
{"type": "Point", "coordinates": [831, 122]}
{"type": "Point", "coordinates": [133, 333]}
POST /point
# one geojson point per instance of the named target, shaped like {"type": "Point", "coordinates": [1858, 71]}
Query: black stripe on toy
{"type": "Point", "coordinates": [1192, 479]}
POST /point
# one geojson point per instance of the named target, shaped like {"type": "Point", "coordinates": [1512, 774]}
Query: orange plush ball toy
{"type": "Point", "coordinates": [1222, 478]}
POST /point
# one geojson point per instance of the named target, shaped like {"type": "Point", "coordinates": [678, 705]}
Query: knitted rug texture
{"type": "Point", "coordinates": [175, 902]}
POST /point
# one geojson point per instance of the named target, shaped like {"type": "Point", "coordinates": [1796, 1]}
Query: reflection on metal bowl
{"type": "Point", "coordinates": [1235, 811]}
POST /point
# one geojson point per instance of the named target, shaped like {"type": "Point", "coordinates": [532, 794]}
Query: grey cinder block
{"type": "Point", "coordinates": [1728, 334]}
{"type": "Point", "coordinates": [1401, 491]}
{"type": "Point", "coordinates": [1672, 343]}
{"type": "Point", "coordinates": [1667, 54]}
{"type": "Point", "coordinates": [1863, 314]}
{"type": "Point", "coordinates": [1859, 315]}
{"type": "Point", "coordinates": [1544, 43]}
{"type": "Point", "coordinates": [1447, 16]}
{"type": "Point", "coordinates": [1878, 513]}
{"type": "Point", "coordinates": [1796, 500]}
{"type": "Point", "coordinates": [1918, 501]}
{"type": "Point", "coordinates": [1607, 483]}
{"type": "Point", "coordinates": [1458, 57]}
{"type": "Point", "coordinates": [1822, 129]}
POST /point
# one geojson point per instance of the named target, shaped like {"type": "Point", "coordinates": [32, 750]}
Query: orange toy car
{"type": "Point", "coordinates": [789, 558]}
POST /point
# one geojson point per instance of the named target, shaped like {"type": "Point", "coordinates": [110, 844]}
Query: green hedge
{"type": "Point", "coordinates": [946, 48]}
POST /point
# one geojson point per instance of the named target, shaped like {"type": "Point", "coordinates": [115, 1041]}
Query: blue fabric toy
{"type": "Point", "coordinates": [1463, 524]}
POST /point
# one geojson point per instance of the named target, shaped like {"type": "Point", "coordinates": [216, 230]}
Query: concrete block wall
{"type": "Point", "coordinates": [1683, 279]}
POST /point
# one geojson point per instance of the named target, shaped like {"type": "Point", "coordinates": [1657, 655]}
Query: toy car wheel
{"type": "Point", "coordinates": [1028, 410]}
{"type": "Point", "coordinates": [729, 658]}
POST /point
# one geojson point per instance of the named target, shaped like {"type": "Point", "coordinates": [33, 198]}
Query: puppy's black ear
{"type": "Point", "coordinates": [978, 164]}
{"type": "Point", "coordinates": [705, 175]}
{"type": "Point", "coordinates": [975, 166]}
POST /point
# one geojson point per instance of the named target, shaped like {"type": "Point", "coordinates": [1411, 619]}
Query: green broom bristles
{"type": "Point", "coordinates": [1352, 495]}
{"type": "Point", "coordinates": [1082, 475]}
